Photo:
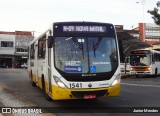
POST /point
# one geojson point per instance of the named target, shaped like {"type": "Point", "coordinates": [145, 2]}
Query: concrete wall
{"type": "Point", "coordinates": [7, 50]}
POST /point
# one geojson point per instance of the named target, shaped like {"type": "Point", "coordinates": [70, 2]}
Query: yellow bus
{"type": "Point", "coordinates": [76, 60]}
{"type": "Point", "coordinates": [145, 62]}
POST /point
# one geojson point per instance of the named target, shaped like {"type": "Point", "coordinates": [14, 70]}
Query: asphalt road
{"type": "Point", "coordinates": [136, 93]}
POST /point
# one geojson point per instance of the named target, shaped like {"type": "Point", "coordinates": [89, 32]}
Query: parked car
{"type": "Point", "coordinates": [24, 65]}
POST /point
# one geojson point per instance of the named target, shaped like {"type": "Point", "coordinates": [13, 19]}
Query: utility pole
{"type": "Point", "coordinates": [33, 33]}
{"type": "Point", "coordinates": [143, 1]}
{"type": "Point", "coordinates": [143, 20]}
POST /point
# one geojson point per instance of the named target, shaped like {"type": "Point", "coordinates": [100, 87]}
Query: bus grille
{"type": "Point", "coordinates": [81, 94]}
{"type": "Point", "coordinates": [140, 72]}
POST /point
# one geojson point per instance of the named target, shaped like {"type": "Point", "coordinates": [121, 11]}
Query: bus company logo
{"type": "Point", "coordinates": [21, 110]}
{"type": "Point", "coordinates": [6, 110]}
{"type": "Point", "coordinates": [89, 85]}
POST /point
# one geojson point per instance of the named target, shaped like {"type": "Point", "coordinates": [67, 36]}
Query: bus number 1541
{"type": "Point", "coordinates": [75, 85]}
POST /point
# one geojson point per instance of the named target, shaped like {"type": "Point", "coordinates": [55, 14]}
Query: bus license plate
{"type": "Point", "coordinates": [90, 96]}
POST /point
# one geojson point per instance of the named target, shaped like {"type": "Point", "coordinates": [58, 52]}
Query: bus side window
{"type": "Point", "coordinates": [42, 47]}
{"type": "Point", "coordinates": [32, 52]}
{"type": "Point", "coordinates": [153, 58]}
{"type": "Point", "coordinates": [157, 57]}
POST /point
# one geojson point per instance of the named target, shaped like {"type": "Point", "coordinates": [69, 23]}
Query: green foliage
{"type": "Point", "coordinates": [155, 14]}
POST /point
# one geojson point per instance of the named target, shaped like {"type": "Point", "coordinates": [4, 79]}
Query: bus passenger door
{"type": "Point", "coordinates": [50, 39]}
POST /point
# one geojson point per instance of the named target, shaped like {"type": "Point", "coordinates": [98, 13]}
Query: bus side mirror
{"type": "Point", "coordinates": [50, 41]}
{"type": "Point", "coordinates": [121, 51]}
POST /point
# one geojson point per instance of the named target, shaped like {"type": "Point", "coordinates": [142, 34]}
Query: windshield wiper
{"type": "Point", "coordinates": [94, 50]}
{"type": "Point", "coordinates": [95, 46]}
{"type": "Point", "coordinates": [82, 49]}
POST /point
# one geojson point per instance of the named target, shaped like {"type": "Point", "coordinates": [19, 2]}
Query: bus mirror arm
{"type": "Point", "coordinates": [49, 67]}
{"type": "Point", "coordinates": [50, 41]}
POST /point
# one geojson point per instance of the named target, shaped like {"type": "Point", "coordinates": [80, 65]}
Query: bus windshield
{"type": "Point", "coordinates": [85, 54]}
{"type": "Point", "coordinates": [140, 60]}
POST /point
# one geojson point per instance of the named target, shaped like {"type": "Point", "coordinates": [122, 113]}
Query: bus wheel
{"type": "Point", "coordinates": [33, 83]}
{"type": "Point", "coordinates": [47, 97]}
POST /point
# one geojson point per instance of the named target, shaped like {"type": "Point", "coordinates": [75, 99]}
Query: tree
{"type": "Point", "coordinates": [155, 14]}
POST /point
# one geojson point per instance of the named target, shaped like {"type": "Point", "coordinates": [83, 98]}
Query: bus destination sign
{"type": "Point", "coordinates": [140, 52]}
{"type": "Point", "coordinates": [98, 29]}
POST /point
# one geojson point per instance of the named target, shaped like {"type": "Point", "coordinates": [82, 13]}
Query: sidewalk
{"type": "Point", "coordinates": [9, 99]}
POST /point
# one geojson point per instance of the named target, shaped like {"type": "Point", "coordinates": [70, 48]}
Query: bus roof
{"type": "Point", "coordinates": [83, 22]}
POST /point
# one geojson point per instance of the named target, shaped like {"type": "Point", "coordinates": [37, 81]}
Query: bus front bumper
{"type": "Point", "coordinates": [63, 93]}
{"type": "Point", "coordinates": [140, 73]}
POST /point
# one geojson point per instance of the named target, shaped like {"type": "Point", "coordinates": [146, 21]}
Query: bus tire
{"type": "Point", "coordinates": [33, 83]}
{"type": "Point", "coordinates": [47, 97]}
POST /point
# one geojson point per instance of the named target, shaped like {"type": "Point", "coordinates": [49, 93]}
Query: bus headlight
{"type": "Point", "coordinates": [59, 82]}
{"type": "Point", "coordinates": [117, 80]}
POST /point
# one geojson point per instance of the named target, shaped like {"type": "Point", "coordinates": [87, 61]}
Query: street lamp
{"type": "Point", "coordinates": [158, 4]}
{"type": "Point", "coordinates": [33, 33]}
{"type": "Point", "coordinates": [143, 22]}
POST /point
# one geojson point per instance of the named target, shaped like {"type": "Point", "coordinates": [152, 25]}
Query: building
{"type": "Point", "coordinates": [22, 40]}
{"type": "Point", "coordinates": [14, 48]}
{"type": "Point", "coordinates": [7, 49]}
{"type": "Point", "coordinates": [149, 32]}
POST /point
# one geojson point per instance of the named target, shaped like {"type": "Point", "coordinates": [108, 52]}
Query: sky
{"type": "Point", "coordinates": [37, 15]}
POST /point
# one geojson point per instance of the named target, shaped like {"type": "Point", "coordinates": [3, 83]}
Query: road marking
{"type": "Point", "coordinates": [140, 85]}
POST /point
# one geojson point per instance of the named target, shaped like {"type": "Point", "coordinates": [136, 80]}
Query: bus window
{"type": "Point", "coordinates": [42, 47]}
{"type": "Point", "coordinates": [140, 60]}
{"type": "Point", "coordinates": [83, 53]}
{"type": "Point", "coordinates": [32, 52]}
